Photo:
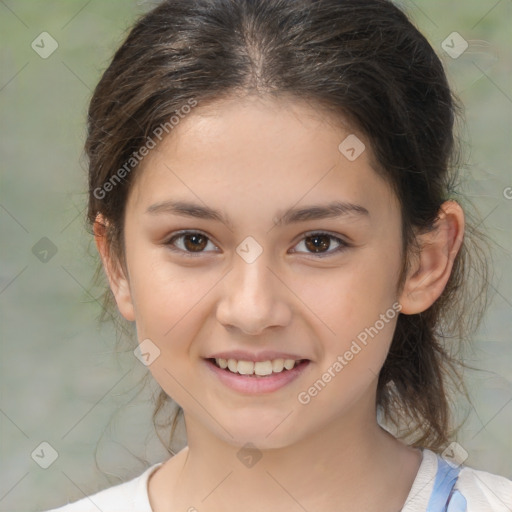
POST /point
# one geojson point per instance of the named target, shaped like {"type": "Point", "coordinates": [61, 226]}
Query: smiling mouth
{"type": "Point", "coordinates": [259, 369]}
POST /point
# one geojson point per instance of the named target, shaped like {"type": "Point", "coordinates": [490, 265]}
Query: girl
{"type": "Point", "coordinates": [271, 196]}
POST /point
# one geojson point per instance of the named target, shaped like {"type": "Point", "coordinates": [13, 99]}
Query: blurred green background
{"type": "Point", "coordinates": [62, 381]}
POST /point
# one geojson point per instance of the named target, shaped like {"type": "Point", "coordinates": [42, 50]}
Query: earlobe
{"type": "Point", "coordinates": [431, 269]}
{"type": "Point", "coordinates": [118, 282]}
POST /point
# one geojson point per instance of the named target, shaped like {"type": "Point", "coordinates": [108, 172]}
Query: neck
{"type": "Point", "coordinates": [352, 464]}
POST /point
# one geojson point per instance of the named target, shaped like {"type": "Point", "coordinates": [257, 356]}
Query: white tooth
{"type": "Point", "coordinates": [245, 367]}
{"type": "Point", "coordinates": [277, 365]}
{"type": "Point", "coordinates": [263, 368]}
{"type": "Point", "coordinates": [259, 368]}
{"type": "Point", "coordinates": [289, 363]}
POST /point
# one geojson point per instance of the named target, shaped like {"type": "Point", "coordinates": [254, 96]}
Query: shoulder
{"type": "Point", "coordinates": [128, 496]}
{"type": "Point", "coordinates": [484, 491]}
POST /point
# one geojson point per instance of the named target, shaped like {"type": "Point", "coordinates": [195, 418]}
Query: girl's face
{"type": "Point", "coordinates": [263, 270]}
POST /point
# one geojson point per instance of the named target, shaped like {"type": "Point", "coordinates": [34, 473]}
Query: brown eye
{"type": "Point", "coordinates": [195, 242]}
{"type": "Point", "coordinates": [320, 243]}
{"type": "Point", "coordinates": [190, 243]}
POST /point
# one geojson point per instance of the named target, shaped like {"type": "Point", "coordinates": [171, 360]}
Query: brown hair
{"type": "Point", "coordinates": [363, 60]}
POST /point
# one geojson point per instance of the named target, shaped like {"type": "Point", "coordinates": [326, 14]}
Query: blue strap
{"type": "Point", "coordinates": [444, 497]}
{"type": "Point", "coordinates": [457, 503]}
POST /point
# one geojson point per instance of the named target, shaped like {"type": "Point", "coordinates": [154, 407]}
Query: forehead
{"type": "Point", "coordinates": [272, 150]}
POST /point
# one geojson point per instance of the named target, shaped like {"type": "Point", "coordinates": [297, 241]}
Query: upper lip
{"type": "Point", "coordinates": [242, 355]}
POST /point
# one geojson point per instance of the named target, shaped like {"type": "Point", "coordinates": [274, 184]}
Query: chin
{"type": "Point", "coordinates": [260, 434]}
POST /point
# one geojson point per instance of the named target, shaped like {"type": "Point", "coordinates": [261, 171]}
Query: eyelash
{"type": "Point", "coordinates": [343, 244]}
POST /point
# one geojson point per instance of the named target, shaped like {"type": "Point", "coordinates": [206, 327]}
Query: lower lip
{"type": "Point", "coordinates": [253, 384]}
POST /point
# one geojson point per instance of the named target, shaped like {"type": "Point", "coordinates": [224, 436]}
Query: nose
{"type": "Point", "coordinates": [254, 298]}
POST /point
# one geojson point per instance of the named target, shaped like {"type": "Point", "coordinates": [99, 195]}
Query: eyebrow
{"type": "Point", "coordinates": [334, 209]}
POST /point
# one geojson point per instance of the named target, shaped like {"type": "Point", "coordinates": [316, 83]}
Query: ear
{"type": "Point", "coordinates": [119, 283]}
{"type": "Point", "coordinates": [431, 268]}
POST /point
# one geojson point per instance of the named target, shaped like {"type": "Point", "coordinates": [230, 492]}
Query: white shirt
{"type": "Point", "coordinates": [481, 492]}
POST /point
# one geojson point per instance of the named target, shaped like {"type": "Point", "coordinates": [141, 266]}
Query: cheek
{"type": "Point", "coordinates": [356, 310]}
{"type": "Point", "coordinates": [162, 293]}
{"type": "Point", "coordinates": [353, 296]}
{"type": "Point", "coordinates": [169, 312]}
{"type": "Point", "coordinates": [352, 361]}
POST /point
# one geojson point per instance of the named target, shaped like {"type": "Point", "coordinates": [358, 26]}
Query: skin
{"type": "Point", "coordinates": [253, 159]}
